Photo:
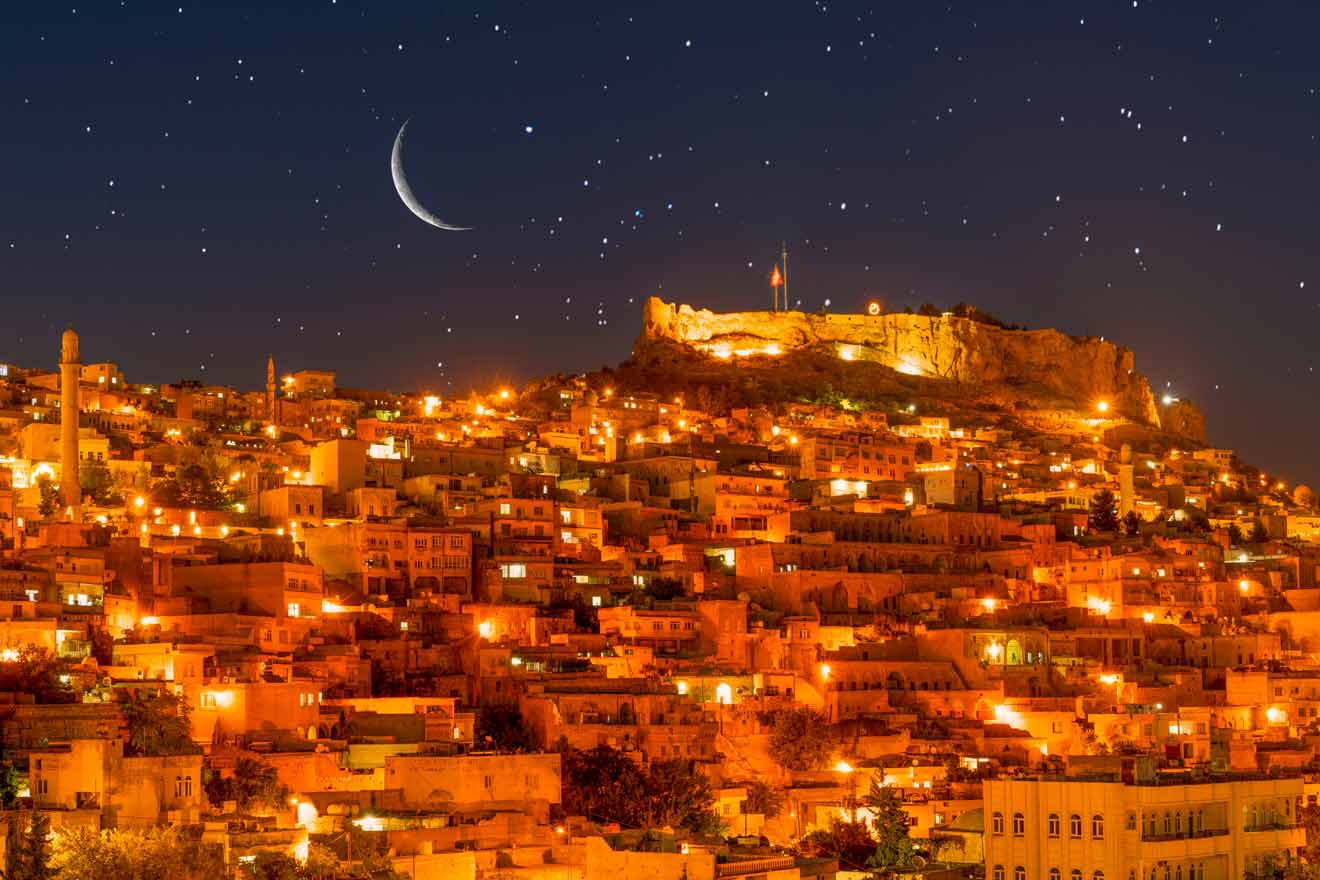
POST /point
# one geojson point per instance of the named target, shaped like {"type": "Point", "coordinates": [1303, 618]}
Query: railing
{"type": "Point", "coordinates": [754, 866]}
{"type": "Point", "coordinates": [1272, 825]}
{"type": "Point", "coordinates": [1183, 835]}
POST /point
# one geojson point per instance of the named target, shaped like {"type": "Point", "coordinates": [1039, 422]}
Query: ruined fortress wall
{"type": "Point", "coordinates": [941, 347]}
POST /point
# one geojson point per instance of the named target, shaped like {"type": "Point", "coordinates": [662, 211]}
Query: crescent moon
{"type": "Point", "coordinates": [405, 191]}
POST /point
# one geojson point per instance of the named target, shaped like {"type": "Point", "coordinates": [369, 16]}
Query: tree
{"type": "Point", "coordinates": [152, 854]}
{"type": "Point", "coordinates": [1131, 523]}
{"type": "Point", "coordinates": [800, 739]}
{"type": "Point", "coordinates": [1234, 534]}
{"type": "Point", "coordinates": [584, 615]}
{"type": "Point", "coordinates": [605, 785]}
{"type": "Point", "coordinates": [255, 785]}
{"type": "Point", "coordinates": [1104, 512]}
{"type": "Point", "coordinates": [199, 482]}
{"type": "Point", "coordinates": [27, 848]}
{"type": "Point", "coordinates": [10, 779]}
{"type": "Point", "coordinates": [680, 798]}
{"type": "Point", "coordinates": [1310, 820]}
{"type": "Point", "coordinates": [890, 823]}
{"type": "Point", "coordinates": [1258, 533]}
{"type": "Point", "coordinates": [38, 672]}
{"type": "Point", "coordinates": [665, 589]}
{"type": "Point", "coordinates": [849, 842]}
{"type": "Point", "coordinates": [158, 724]}
{"type": "Point", "coordinates": [51, 500]}
{"type": "Point", "coordinates": [503, 727]}
{"type": "Point", "coordinates": [98, 484]}
{"type": "Point", "coordinates": [271, 866]}
{"type": "Point", "coordinates": [763, 798]}
{"type": "Point", "coordinates": [35, 670]}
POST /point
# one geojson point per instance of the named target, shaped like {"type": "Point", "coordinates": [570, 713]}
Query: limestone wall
{"type": "Point", "coordinates": [943, 347]}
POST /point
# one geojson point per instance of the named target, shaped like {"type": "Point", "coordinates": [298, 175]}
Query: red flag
{"type": "Point", "coordinates": [776, 280]}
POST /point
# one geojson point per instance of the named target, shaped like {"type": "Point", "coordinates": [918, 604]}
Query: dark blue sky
{"type": "Point", "coordinates": [198, 185]}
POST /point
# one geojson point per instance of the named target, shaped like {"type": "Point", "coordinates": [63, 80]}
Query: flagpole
{"type": "Point", "coordinates": [785, 257]}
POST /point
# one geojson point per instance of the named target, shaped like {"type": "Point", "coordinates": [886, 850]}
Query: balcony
{"type": "Point", "coordinates": [1200, 844]}
{"type": "Point", "coordinates": [1183, 835]}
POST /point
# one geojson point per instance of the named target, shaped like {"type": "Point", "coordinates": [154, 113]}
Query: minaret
{"type": "Point", "coordinates": [270, 390]}
{"type": "Point", "coordinates": [70, 376]}
{"type": "Point", "coordinates": [1127, 500]}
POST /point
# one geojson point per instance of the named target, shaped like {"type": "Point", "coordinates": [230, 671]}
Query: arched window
{"type": "Point", "coordinates": [1019, 825]}
{"type": "Point", "coordinates": [1075, 826]}
{"type": "Point", "coordinates": [1177, 822]}
{"type": "Point", "coordinates": [997, 825]}
{"type": "Point", "coordinates": [1098, 875]}
{"type": "Point", "coordinates": [1013, 653]}
{"type": "Point", "coordinates": [1098, 827]}
{"type": "Point", "coordinates": [1019, 873]}
{"type": "Point", "coordinates": [1056, 874]}
{"type": "Point", "coordinates": [1075, 874]}
{"type": "Point", "coordinates": [1168, 823]}
{"type": "Point", "coordinates": [997, 873]}
{"type": "Point", "coordinates": [1053, 825]}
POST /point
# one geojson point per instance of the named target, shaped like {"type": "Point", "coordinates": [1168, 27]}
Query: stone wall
{"type": "Point", "coordinates": [1084, 370]}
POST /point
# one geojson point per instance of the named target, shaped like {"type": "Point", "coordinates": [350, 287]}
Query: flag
{"type": "Point", "coordinates": [776, 280]}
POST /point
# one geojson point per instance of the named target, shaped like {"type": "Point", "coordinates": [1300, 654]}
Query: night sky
{"type": "Point", "coordinates": [195, 186]}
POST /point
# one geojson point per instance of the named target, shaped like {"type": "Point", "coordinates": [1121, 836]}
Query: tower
{"type": "Point", "coordinates": [70, 375]}
{"type": "Point", "coordinates": [270, 390]}
{"type": "Point", "coordinates": [1127, 500]}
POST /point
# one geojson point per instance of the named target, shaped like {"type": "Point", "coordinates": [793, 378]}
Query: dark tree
{"type": "Point", "coordinates": [584, 615]}
{"type": "Point", "coordinates": [98, 484]}
{"type": "Point", "coordinates": [1258, 533]}
{"type": "Point", "coordinates": [800, 739]}
{"type": "Point", "coordinates": [158, 724]}
{"type": "Point", "coordinates": [763, 798]}
{"type": "Point", "coordinates": [890, 825]}
{"type": "Point", "coordinates": [1131, 523]}
{"type": "Point", "coordinates": [1310, 820]}
{"type": "Point", "coordinates": [255, 785]}
{"type": "Point", "coordinates": [51, 500]}
{"type": "Point", "coordinates": [503, 727]}
{"type": "Point", "coordinates": [605, 785]}
{"type": "Point", "coordinates": [38, 672]}
{"type": "Point", "coordinates": [665, 589]}
{"type": "Point", "coordinates": [679, 797]}
{"type": "Point", "coordinates": [271, 866]}
{"type": "Point", "coordinates": [849, 842]}
{"type": "Point", "coordinates": [9, 785]}
{"type": "Point", "coordinates": [27, 848]}
{"type": "Point", "coordinates": [1234, 534]}
{"type": "Point", "coordinates": [200, 484]}
{"type": "Point", "coordinates": [1104, 512]}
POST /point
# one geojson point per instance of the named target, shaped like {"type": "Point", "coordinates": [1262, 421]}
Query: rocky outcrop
{"type": "Point", "coordinates": [1083, 371]}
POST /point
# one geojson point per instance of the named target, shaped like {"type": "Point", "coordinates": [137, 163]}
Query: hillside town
{"type": "Point", "coordinates": [592, 627]}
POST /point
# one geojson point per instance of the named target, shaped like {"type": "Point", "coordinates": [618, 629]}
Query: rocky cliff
{"type": "Point", "coordinates": [945, 349]}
